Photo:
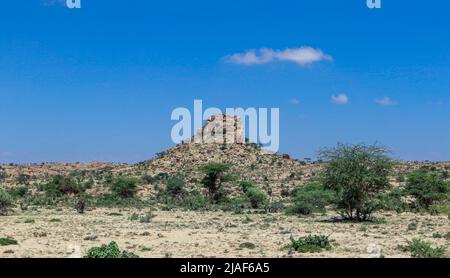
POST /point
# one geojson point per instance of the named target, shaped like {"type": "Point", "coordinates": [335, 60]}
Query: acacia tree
{"type": "Point", "coordinates": [216, 175]}
{"type": "Point", "coordinates": [358, 174]}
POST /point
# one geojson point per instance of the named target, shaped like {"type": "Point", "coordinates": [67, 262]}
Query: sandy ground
{"type": "Point", "coordinates": [65, 233]}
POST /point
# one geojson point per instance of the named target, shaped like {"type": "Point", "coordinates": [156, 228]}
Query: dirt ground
{"type": "Point", "coordinates": [64, 233]}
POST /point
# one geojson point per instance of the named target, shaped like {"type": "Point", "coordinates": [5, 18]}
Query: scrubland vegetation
{"type": "Point", "coordinates": [356, 185]}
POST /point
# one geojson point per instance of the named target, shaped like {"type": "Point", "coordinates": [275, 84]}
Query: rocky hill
{"type": "Point", "coordinates": [248, 163]}
{"type": "Point", "coordinates": [220, 140]}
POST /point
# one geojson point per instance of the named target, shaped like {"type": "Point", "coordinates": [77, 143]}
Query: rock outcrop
{"type": "Point", "coordinates": [221, 129]}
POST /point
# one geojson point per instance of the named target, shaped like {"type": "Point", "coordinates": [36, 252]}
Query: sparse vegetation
{"type": "Point", "coordinates": [423, 249]}
{"type": "Point", "coordinates": [207, 200]}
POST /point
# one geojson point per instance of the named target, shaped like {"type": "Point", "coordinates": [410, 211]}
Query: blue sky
{"type": "Point", "coordinates": [100, 83]}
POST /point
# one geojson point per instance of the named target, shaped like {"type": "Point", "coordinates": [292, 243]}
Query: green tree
{"type": "Point", "coordinates": [61, 185]}
{"type": "Point", "coordinates": [427, 187]}
{"type": "Point", "coordinates": [124, 187]}
{"type": "Point", "coordinates": [358, 174]}
{"type": "Point", "coordinates": [216, 175]}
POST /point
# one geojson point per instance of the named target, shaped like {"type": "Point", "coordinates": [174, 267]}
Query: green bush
{"type": "Point", "coordinates": [311, 198]}
{"type": "Point", "coordinates": [175, 186]}
{"type": "Point", "coordinates": [392, 200]}
{"type": "Point", "coordinates": [6, 202]}
{"type": "Point", "coordinates": [247, 245]}
{"type": "Point", "coordinates": [110, 251]}
{"type": "Point", "coordinates": [8, 241]}
{"type": "Point", "coordinates": [358, 174]}
{"type": "Point", "coordinates": [22, 179]}
{"type": "Point", "coordinates": [400, 178]}
{"type": "Point", "coordinates": [175, 194]}
{"type": "Point", "coordinates": [310, 244]}
{"type": "Point", "coordinates": [88, 185]}
{"type": "Point", "coordinates": [40, 200]}
{"type": "Point", "coordinates": [428, 188]}
{"type": "Point", "coordinates": [124, 187]}
{"type": "Point", "coordinates": [237, 204]}
{"type": "Point", "coordinates": [133, 217]}
{"type": "Point", "coordinates": [194, 200]}
{"type": "Point", "coordinates": [253, 194]}
{"type": "Point", "coordinates": [61, 185]}
{"type": "Point", "coordinates": [423, 249]}
{"type": "Point", "coordinates": [147, 179]}
{"type": "Point", "coordinates": [18, 192]}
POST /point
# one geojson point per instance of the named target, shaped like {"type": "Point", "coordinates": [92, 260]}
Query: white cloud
{"type": "Point", "coordinates": [302, 56]}
{"type": "Point", "coordinates": [341, 99]}
{"type": "Point", "coordinates": [386, 101]}
{"type": "Point", "coordinates": [294, 101]}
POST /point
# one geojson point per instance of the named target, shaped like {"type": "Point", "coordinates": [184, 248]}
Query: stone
{"type": "Point", "coordinates": [375, 251]}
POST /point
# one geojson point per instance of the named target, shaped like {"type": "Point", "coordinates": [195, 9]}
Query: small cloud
{"type": "Point", "coordinates": [340, 99]}
{"type": "Point", "coordinates": [294, 101]}
{"type": "Point", "coordinates": [302, 56]}
{"type": "Point", "coordinates": [386, 101]}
